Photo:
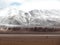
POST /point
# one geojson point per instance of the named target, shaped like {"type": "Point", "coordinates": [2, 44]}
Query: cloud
{"type": "Point", "coordinates": [37, 4]}
{"type": "Point", "coordinates": [7, 3]}
{"type": "Point", "coordinates": [31, 4]}
{"type": "Point", "coordinates": [15, 4]}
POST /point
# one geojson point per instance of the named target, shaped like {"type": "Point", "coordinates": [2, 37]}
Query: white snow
{"type": "Point", "coordinates": [15, 16]}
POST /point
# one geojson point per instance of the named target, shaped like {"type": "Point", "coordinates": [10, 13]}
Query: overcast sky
{"type": "Point", "coordinates": [31, 4]}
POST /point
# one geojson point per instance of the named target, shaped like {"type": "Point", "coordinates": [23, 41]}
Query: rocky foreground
{"type": "Point", "coordinates": [25, 30]}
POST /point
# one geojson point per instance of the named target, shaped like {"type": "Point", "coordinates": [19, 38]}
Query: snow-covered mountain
{"type": "Point", "coordinates": [46, 17]}
{"type": "Point", "coordinates": [14, 16]}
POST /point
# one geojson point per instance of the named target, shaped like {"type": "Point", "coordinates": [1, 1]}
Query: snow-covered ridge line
{"type": "Point", "coordinates": [14, 17]}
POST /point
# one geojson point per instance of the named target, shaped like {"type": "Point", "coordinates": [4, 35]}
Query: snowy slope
{"type": "Point", "coordinates": [15, 16]}
{"type": "Point", "coordinates": [47, 18]}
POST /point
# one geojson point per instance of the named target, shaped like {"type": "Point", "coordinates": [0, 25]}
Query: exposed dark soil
{"type": "Point", "coordinates": [30, 30]}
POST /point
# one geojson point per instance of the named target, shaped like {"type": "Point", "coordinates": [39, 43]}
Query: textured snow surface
{"type": "Point", "coordinates": [14, 17]}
